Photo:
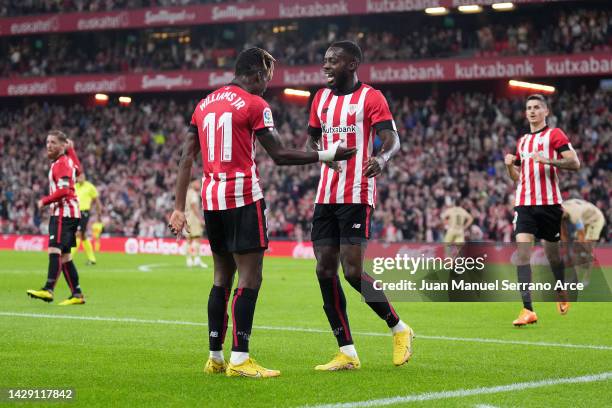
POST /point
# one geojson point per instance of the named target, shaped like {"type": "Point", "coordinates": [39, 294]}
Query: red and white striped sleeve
{"type": "Point", "coordinates": [559, 140]}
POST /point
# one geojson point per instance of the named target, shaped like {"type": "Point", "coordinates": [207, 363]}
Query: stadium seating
{"type": "Point", "coordinates": [304, 42]}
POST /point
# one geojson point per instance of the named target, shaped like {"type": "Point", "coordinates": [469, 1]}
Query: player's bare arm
{"type": "Point", "coordinates": [468, 221]}
{"type": "Point", "coordinates": [511, 167]}
{"type": "Point", "coordinates": [314, 144]}
{"type": "Point", "coordinates": [314, 139]}
{"type": "Point", "coordinates": [60, 193]}
{"type": "Point", "coordinates": [390, 147]}
{"type": "Point", "coordinates": [98, 204]}
{"type": "Point", "coordinates": [568, 161]}
{"type": "Point", "coordinates": [282, 156]}
{"type": "Point", "coordinates": [191, 148]}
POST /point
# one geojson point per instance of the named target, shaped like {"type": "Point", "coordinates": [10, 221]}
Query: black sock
{"type": "Point", "coordinates": [376, 299]}
{"type": "Point", "coordinates": [558, 271]}
{"type": "Point", "coordinates": [217, 317]}
{"type": "Point", "coordinates": [243, 310]}
{"type": "Point", "coordinates": [524, 276]}
{"type": "Point", "coordinates": [334, 304]}
{"type": "Point", "coordinates": [53, 271]}
{"type": "Point", "coordinates": [72, 277]}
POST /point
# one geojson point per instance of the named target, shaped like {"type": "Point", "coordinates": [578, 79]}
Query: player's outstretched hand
{"type": "Point", "coordinates": [343, 153]}
{"type": "Point", "coordinates": [509, 159]}
{"type": "Point", "coordinates": [539, 158]}
{"type": "Point", "coordinates": [69, 144]}
{"type": "Point", "coordinates": [374, 166]}
{"type": "Point", "coordinates": [178, 222]}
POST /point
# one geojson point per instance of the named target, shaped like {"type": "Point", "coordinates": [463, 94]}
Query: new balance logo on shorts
{"type": "Point", "coordinates": [356, 226]}
{"type": "Point", "coordinates": [214, 334]}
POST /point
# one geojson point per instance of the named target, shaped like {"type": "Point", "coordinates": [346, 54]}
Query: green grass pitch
{"type": "Point", "coordinates": [142, 362]}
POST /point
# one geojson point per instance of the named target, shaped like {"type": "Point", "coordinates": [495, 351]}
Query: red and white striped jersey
{"type": "Point", "coordinates": [539, 183]}
{"type": "Point", "coordinates": [350, 118]}
{"type": "Point", "coordinates": [226, 122]}
{"type": "Point", "coordinates": [61, 169]}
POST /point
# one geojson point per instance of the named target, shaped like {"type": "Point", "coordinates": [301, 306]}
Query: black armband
{"type": "Point", "coordinates": [387, 124]}
{"type": "Point", "coordinates": [262, 131]}
{"type": "Point", "coordinates": [563, 148]}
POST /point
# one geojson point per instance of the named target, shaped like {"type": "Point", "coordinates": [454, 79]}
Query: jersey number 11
{"type": "Point", "coordinates": [210, 126]}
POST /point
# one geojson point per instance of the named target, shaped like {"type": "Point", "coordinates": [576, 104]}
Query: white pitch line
{"type": "Point", "coordinates": [431, 396]}
{"type": "Point", "coordinates": [102, 319]}
{"type": "Point", "coordinates": [305, 330]}
{"type": "Point", "coordinates": [147, 268]}
{"type": "Point", "coordinates": [518, 342]}
{"type": "Point", "coordinates": [485, 406]}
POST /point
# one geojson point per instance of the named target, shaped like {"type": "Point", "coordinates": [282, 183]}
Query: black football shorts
{"type": "Point", "coordinates": [543, 221]}
{"type": "Point", "coordinates": [239, 230]}
{"type": "Point", "coordinates": [341, 224]}
{"type": "Point", "coordinates": [62, 232]}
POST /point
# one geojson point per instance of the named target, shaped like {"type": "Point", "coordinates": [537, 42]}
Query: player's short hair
{"type": "Point", "coordinates": [350, 47]}
{"type": "Point", "coordinates": [252, 60]}
{"type": "Point", "coordinates": [538, 97]}
{"type": "Point", "coordinates": [59, 134]}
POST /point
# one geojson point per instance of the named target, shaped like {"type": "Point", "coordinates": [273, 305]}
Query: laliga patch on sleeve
{"type": "Point", "coordinates": [267, 118]}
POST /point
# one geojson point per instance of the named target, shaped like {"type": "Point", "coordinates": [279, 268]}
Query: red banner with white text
{"type": "Point", "coordinates": [217, 13]}
{"type": "Point", "coordinates": [377, 73]}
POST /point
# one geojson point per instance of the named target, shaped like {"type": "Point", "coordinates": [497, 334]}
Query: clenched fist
{"type": "Point", "coordinates": [509, 159]}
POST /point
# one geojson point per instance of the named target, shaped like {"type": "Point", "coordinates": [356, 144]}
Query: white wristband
{"type": "Point", "coordinates": [330, 153]}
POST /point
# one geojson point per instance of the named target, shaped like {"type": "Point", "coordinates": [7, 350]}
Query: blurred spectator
{"type": "Point", "coordinates": [387, 38]}
{"type": "Point", "coordinates": [22, 7]}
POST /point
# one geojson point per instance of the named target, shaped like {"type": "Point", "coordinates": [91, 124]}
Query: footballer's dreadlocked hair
{"type": "Point", "coordinates": [253, 60]}
{"type": "Point", "coordinates": [351, 48]}
{"type": "Point", "coordinates": [59, 134]}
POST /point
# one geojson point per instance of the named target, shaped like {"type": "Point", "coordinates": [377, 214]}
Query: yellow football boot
{"type": "Point", "coordinates": [250, 368]}
{"type": "Point", "coordinates": [340, 362]}
{"type": "Point", "coordinates": [402, 346]}
{"type": "Point", "coordinates": [214, 367]}
{"type": "Point", "coordinates": [73, 300]}
{"type": "Point", "coordinates": [42, 294]}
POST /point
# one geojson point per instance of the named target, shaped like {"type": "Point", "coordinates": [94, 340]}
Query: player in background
{"type": "Point", "coordinates": [540, 154]}
{"type": "Point", "coordinates": [457, 220]}
{"type": "Point", "coordinates": [96, 233]}
{"type": "Point", "coordinates": [64, 220]}
{"type": "Point", "coordinates": [584, 222]}
{"type": "Point", "coordinates": [193, 215]}
{"type": "Point", "coordinates": [224, 127]}
{"type": "Point", "coordinates": [352, 113]}
{"type": "Point", "coordinates": [86, 193]}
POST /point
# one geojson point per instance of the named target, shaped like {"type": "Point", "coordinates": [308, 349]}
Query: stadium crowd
{"type": "Point", "coordinates": [455, 148]}
{"type": "Point", "coordinates": [300, 42]}
{"type": "Point", "coordinates": [24, 7]}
